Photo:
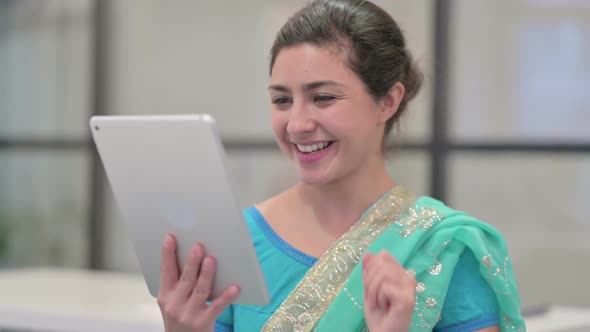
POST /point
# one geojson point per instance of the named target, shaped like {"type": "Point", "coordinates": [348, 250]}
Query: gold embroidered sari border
{"type": "Point", "coordinates": [306, 304]}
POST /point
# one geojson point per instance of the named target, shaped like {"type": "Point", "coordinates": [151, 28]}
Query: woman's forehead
{"type": "Point", "coordinates": [306, 62]}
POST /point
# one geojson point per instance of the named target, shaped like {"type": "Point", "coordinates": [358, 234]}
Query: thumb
{"type": "Point", "coordinates": [367, 259]}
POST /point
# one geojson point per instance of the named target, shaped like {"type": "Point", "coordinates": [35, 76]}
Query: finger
{"type": "Point", "coordinates": [376, 276]}
{"type": "Point", "coordinates": [369, 300]}
{"type": "Point", "coordinates": [409, 284]}
{"type": "Point", "coordinates": [378, 265]}
{"type": "Point", "coordinates": [365, 264]}
{"type": "Point", "coordinates": [367, 259]}
{"type": "Point", "coordinates": [381, 298]}
{"type": "Point", "coordinates": [368, 296]}
{"type": "Point", "coordinates": [223, 301]}
{"type": "Point", "coordinates": [388, 258]}
{"type": "Point", "coordinates": [385, 261]}
{"type": "Point", "coordinates": [189, 275]}
{"type": "Point", "coordinates": [409, 278]}
{"type": "Point", "coordinates": [382, 270]}
{"type": "Point", "coordinates": [198, 297]}
{"type": "Point", "coordinates": [371, 274]}
{"type": "Point", "coordinates": [169, 267]}
{"type": "Point", "coordinates": [401, 299]}
{"type": "Point", "coordinates": [387, 296]}
{"type": "Point", "coordinates": [202, 289]}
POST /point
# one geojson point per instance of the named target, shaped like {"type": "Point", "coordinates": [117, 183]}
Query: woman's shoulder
{"type": "Point", "coordinates": [274, 204]}
{"type": "Point", "coordinates": [430, 206]}
{"type": "Point", "coordinates": [431, 211]}
{"type": "Point", "coordinates": [435, 205]}
{"type": "Point", "coordinates": [264, 218]}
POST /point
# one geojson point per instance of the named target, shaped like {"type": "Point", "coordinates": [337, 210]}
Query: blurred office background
{"type": "Point", "coordinates": [501, 128]}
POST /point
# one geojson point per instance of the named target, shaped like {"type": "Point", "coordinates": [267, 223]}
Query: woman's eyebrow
{"type": "Point", "coordinates": [319, 84]}
{"type": "Point", "coordinates": [278, 87]}
{"type": "Point", "coordinates": [306, 87]}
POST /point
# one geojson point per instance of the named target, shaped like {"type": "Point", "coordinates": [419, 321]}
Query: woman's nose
{"type": "Point", "coordinates": [300, 121]}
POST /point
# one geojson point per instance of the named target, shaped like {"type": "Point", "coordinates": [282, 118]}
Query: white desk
{"type": "Point", "coordinates": [76, 301]}
{"type": "Point", "coordinates": [91, 301]}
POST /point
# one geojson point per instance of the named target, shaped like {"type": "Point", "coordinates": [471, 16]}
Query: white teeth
{"type": "Point", "coordinates": [312, 147]}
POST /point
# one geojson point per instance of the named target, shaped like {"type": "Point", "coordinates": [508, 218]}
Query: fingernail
{"type": "Point", "coordinates": [234, 290]}
{"type": "Point", "coordinates": [168, 239]}
{"type": "Point", "coordinates": [209, 260]}
{"type": "Point", "coordinates": [195, 250]}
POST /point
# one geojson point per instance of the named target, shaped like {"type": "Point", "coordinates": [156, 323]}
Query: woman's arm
{"type": "Point", "coordinates": [471, 303]}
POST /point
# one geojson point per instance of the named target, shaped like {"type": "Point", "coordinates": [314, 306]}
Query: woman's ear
{"type": "Point", "coordinates": [390, 103]}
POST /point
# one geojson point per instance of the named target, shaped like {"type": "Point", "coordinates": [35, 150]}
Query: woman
{"type": "Point", "coordinates": [340, 79]}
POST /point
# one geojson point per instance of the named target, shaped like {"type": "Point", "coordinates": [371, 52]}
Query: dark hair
{"type": "Point", "coordinates": [377, 47]}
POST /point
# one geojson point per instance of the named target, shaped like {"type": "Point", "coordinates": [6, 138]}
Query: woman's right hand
{"type": "Point", "coordinates": [182, 300]}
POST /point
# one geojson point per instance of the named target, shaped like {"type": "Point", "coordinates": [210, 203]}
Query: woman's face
{"type": "Point", "coordinates": [323, 118]}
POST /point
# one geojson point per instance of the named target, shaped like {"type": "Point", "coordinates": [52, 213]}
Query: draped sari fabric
{"type": "Point", "coordinates": [427, 238]}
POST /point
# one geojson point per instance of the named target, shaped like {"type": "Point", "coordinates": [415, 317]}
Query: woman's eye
{"type": "Point", "coordinates": [281, 100]}
{"type": "Point", "coordinates": [323, 98]}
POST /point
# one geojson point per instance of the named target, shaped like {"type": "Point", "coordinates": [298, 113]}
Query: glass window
{"type": "Point", "coordinates": [411, 169]}
{"type": "Point", "coordinates": [540, 203]}
{"type": "Point", "coordinates": [520, 71]}
{"type": "Point", "coordinates": [45, 62]}
{"type": "Point", "coordinates": [184, 57]}
{"type": "Point", "coordinates": [43, 208]}
{"type": "Point", "coordinates": [415, 20]}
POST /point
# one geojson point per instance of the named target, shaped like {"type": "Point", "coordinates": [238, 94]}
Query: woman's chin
{"type": "Point", "coordinates": [313, 178]}
{"type": "Point", "coordinates": [316, 174]}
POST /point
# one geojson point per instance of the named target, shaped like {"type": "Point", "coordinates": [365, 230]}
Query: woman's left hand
{"type": "Point", "coordinates": [390, 294]}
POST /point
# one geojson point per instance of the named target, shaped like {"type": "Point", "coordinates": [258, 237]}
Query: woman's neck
{"type": "Point", "coordinates": [338, 205]}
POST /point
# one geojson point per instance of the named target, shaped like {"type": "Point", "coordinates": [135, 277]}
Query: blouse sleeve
{"type": "Point", "coordinates": [471, 303]}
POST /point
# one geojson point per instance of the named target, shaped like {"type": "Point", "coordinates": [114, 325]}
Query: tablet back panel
{"type": "Point", "coordinates": [168, 175]}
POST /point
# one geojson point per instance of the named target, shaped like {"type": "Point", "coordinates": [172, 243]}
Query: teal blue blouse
{"type": "Point", "coordinates": [470, 303]}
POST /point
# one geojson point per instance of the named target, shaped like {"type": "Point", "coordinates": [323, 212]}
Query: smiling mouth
{"type": "Point", "coordinates": [313, 148]}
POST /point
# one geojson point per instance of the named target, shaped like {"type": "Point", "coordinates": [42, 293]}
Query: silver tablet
{"type": "Point", "coordinates": [168, 175]}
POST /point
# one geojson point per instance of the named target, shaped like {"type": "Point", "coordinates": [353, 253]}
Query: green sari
{"type": "Point", "coordinates": [427, 238]}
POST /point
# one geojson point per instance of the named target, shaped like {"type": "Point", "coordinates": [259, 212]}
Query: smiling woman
{"type": "Point", "coordinates": [317, 103]}
{"type": "Point", "coordinates": [347, 248]}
